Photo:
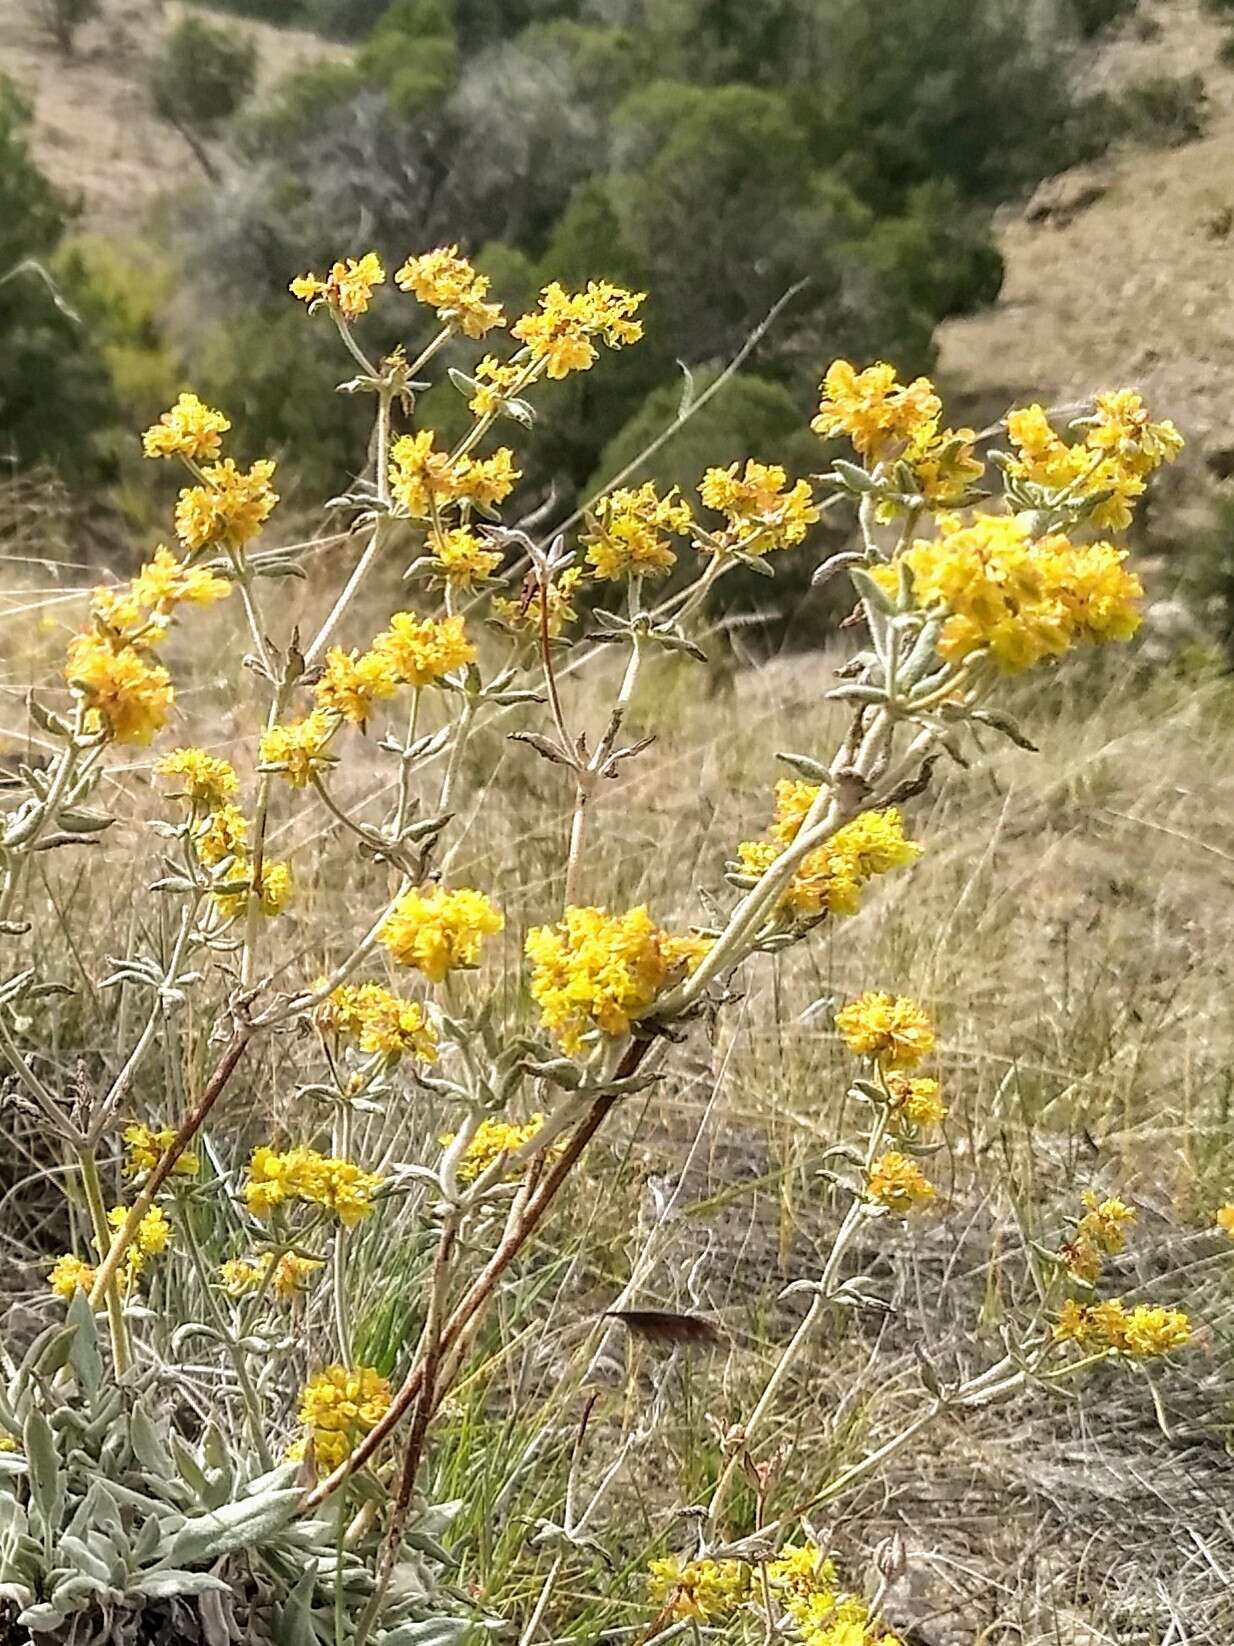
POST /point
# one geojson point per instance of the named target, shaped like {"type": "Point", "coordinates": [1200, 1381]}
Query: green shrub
{"type": "Point", "coordinates": [1166, 109]}
{"type": "Point", "coordinates": [201, 76]}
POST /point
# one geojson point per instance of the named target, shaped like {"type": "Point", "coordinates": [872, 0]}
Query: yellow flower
{"type": "Point", "coordinates": [702, 1591]}
{"type": "Point", "coordinates": [598, 971]}
{"type": "Point", "coordinates": [131, 697]}
{"type": "Point", "coordinates": [829, 879]}
{"type": "Point", "coordinates": [559, 334]}
{"type": "Point", "coordinates": [496, 381]}
{"type": "Point", "coordinates": [462, 557]}
{"type": "Point", "coordinates": [627, 532]}
{"type": "Point", "coordinates": [875, 411]}
{"type": "Point", "coordinates": [289, 1279]}
{"type": "Point", "coordinates": [207, 781]}
{"type": "Point", "coordinates": [165, 582]}
{"type": "Point", "coordinates": [273, 894]}
{"type": "Point", "coordinates": [351, 683]}
{"type": "Point", "coordinates": [224, 835]}
{"type": "Point", "coordinates": [447, 282]}
{"type": "Point", "coordinates": [1147, 1329]}
{"type": "Point", "coordinates": [230, 508]}
{"type": "Point", "coordinates": [944, 465]}
{"type": "Point", "coordinates": [381, 1023]}
{"type": "Point", "coordinates": [348, 287]}
{"type": "Point", "coordinates": [145, 1148]}
{"type": "Point", "coordinates": [762, 516]}
{"type": "Point", "coordinates": [124, 621]}
{"type": "Point", "coordinates": [152, 1239]}
{"type": "Point", "coordinates": [423, 479]}
{"type": "Point", "coordinates": [70, 1275]}
{"type": "Point", "coordinates": [893, 1030]}
{"type": "Point", "coordinates": [1023, 600]}
{"type": "Point", "coordinates": [899, 1183]}
{"type": "Point", "coordinates": [801, 1570]}
{"type": "Point", "coordinates": [419, 651]}
{"type": "Point", "coordinates": [297, 750]}
{"type": "Point", "coordinates": [493, 1138]}
{"type": "Point", "coordinates": [190, 429]}
{"type": "Point", "coordinates": [304, 1177]}
{"type": "Point", "coordinates": [438, 929]}
{"type": "Point", "coordinates": [915, 1101]}
{"type": "Point", "coordinates": [526, 616]}
{"type": "Point", "coordinates": [1225, 1219]}
{"type": "Point", "coordinates": [338, 1407]}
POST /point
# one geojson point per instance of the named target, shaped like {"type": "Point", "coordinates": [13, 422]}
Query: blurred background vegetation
{"type": "Point", "coordinates": [712, 152]}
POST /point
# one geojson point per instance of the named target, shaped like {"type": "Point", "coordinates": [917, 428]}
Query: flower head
{"type": "Point", "coordinates": [438, 929]}
{"type": "Point", "coordinates": [547, 605]}
{"type": "Point", "coordinates": [595, 971]}
{"type": "Point", "coordinates": [829, 880]}
{"type": "Point", "coordinates": [348, 287]}
{"type": "Point", "coordinates": [891, 1029]}
{"type": "Point", "coordinates": [297, 750]}
{"type": "Point", "coordinates": [873, 409]}
{"type": "Point", "coordinates": [301, 1176]}
{"type": "Point", "coordinates": [131, 697]}
{"type": "Point", "coordinates": [381, 1023]}
{"type": "Point", "coordinates": [762, 511]}
{"type": "Point", "coordinates": [338, 1407]}
{"type": "Point", "coordinates": [421, 650]}
{"type": "Point", "coordinates": [447, 282]}
{"type": "Point", "coordinates": [287, 1277]}
{"type": "Point", "coordinates": [629, 529]}
{"type": "Point", "coordinates": [144, 1149]}
{"type": "Point", "coordinates": [915, 1102]}
{"type": "Point", "coordinates": [1104, 473]}
{"type": "Point", "coordinates": [190, 429]}
{"type": "Point", "coordinates": [165, 582]}
{"type": "Point", "coordinates": [561, 333]}
{"type": "Point", "coordinates": [425, 480]}
{"type": "Point", "coordinates": [700, 1591]}
{"type": "Point", "coordinates": [223, 835]}
{"type": "Point", "coordinates": [230, 508]}
{"type": "Point", "coordinates": [493, 1138]}
{"type": "Point", "coordinates": [1145, 1330]}
{"type": "Point", "coordinates": [461, 557]}
{"type": "Point", "coordinates": [70, 1275]}
{"type": "Point", "coordinates": [352, 682]}
{"type": "Point", "coordinates": [898, 1183]}
{"type": "Point", "coordinates": [204, 779]}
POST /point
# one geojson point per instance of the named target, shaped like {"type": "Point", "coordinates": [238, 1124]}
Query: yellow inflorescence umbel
{"type": "Point", "coordinates": [205, 779]}
{"type": "Point", "coordinates": [446, 282]}
{"type": "Point", "coordinates": [697, 1591]}
{"type": "Point", "coordinates": [287, 1275]}
{"type": "Point", "coordinates": [1145, 1330]}
{"type": "Point", "coordinates": [229, 509]}
{"type": "Point", "coordinates": [347, 287]}
{"type": "Point", "coordinates": [893, 1030]}
{"type": "Point", "coordinates": [338, 1407]}
{"type": "Point", "coordinates": [598, 971]}
{"type": "Point", "coordinates": [190, 429]}
{"type": "Point", "coordinates": [898, 1183]}
{"type": "Point", "coordinates": [144, 1148]}
{"type": "Point", "coordinates": [762, 511]}
{"type": "Point", "coordinates": [421, 650]}
{"type": "Point", "coordinates": [380, 1022]}
{"type": "Point", "coordinates": [69, 1275]}
{"type": "Point", "coordinates": [426, 481]}
{"type": "Point", "coordinates": [438, 929]}
{"type": "Point", "coordinates": [493, 1138]}
{"type": "Point", "coordinates": [561, 333]}
{"type": "Point", "coordinates": [302, 1176]}
{"type": "Point", "coordinates": [629, 531]}
{"type": "Point", "coordinates": [298, 750]}
{"type": "Point", "coordinates": [351, 682]}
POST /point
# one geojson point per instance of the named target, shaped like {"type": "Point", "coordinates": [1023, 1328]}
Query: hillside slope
{"type": "Point", "coordinates": [95, 133]}
{"type": "Point", "coordinates": [1136, 287]}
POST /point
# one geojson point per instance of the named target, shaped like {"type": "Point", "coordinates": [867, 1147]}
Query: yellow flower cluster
{"type": "Point", "coordinates": [426, 481]}
{"type": "Point", "coordinates": [381, 1023]}
{"type": "Point", "coordinates": [421, 650]}
{"type": "Point", "coordinates": [347, 287]}
{"type": "Point", "coordinates": [698, 1591]}
{"type": "Point", "coordinates": [273, 893]}
{"type": "Point", "coordinates": [297, 749]}
{"type": "Point", "coordinates": [1021, 598]}
{"type": "Point", "coordinates": [761, 514]}
{"type": "Point", "coordinates": [190, 429]}
{"type": "Point", "coordinates": [493, 1139]}
{"type": "Point", "coordinates": [893, 1030]}
{"type": "Point", "coordinates": [207, 781]}
{"type": "Point", "coordinates": [438, 930]}
{"type": "Point", "coordinates": [598, 971]}
{"type": "Point", "coordinates": [144, 1148]}
{"type": "Point", "coordinates": [1225, 1219]}
{"type": "Point", "coordinates": [351, 682]}
{"type": "Point", "coordinates": [626, 534]}
{"type": "Point", "coordinates": [1099, 1234]}
{"type": "Point", "coordinates": [830, 879]}
{"type": "Point", "coordinates": [1145, 1330]}
{"type": "Point", "coordinates": [1120, 448]}
{"type": "Point", "coordinates": [525, 616]}
{"type": "Point", "coordinates": [495, 382]}
{"type": "Point", "coordinates": [915, 1102]}
{"type": "Point", "coordinates": [304, 1177]}
{"type": "Point", "coordinates": [898, 1183]}
{"type": "Point", "coordinates": [560, 334]}
{"type": "Point", "coordinates": [873, 409]}
{"type": "Point", "coordinates": [447, 282]}
{"type": "Point", "coordinates": [288, 1275]}
{"type": "Point", "coordinates": [152, 1239]}
{"type": "Point", "coordinates": [886, 420]}
{"type": "Point", "coordinates": [127, 697]}
{"type": "Point", "coordinates": [803, 1579]}
{"type": "Point", "coordinates": [338, 1407]}
{"type": "Point", "coordinates": [165, 582]}
{"type": "Point", "coordinates": [230, 508]}
{"type": "Point", "coordinates": [70, 1275]}
{"type": "Point", "coordinates": [462, 558]}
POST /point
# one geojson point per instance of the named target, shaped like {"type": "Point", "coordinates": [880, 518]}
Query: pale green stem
{"type": "Point", "coordinates": [121, 1350]}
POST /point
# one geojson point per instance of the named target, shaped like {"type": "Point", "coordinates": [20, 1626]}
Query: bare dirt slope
{"type": "Point", "coordinates": [1139, 286]}
{"type": "Point", "coordinates": [95, 133]}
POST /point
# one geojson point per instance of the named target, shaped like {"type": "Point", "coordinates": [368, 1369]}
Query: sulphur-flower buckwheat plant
{"type": "Point", "coordinates": [341, 1363]}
